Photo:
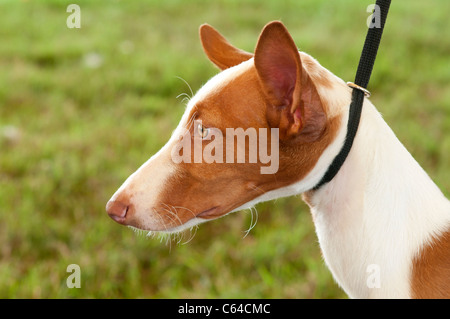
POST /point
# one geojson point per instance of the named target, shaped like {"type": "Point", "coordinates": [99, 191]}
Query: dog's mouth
{"type": "Point", "coordinates": [204, 216]}
{"type": "Point", "coordinates": [210, 213]}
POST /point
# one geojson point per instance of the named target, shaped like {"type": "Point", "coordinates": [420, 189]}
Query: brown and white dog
{"type": "Point", "coordinates": [381, 211]}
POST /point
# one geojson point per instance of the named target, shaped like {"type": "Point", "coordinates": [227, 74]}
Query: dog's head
{"type": "Point", "coordinates": [254, 132]}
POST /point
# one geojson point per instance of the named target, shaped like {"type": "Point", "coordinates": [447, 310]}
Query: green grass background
{"type": "Point", "coordinates": [71, 133]}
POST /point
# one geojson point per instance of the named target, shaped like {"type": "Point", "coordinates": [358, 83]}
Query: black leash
{"type": "Point", "coordinates": [362, 78]}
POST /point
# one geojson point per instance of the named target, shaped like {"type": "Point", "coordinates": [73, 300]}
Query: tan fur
{"type": "Point", "coordinates": [431, 270]}
{"type": "Point", "coordinates": [241, 103]}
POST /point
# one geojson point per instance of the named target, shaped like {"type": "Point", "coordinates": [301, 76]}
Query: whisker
{"type": "Point", "coordinates": [192, 235]}
{"type": "Point", "coordinates": [190, 89]}
{"type": "Point", "coordinates": [178, 234]}
{"type": "Point", "coordinates": [191, 121]}
{"type": "Point", "coordinates": [137, 231]}
{"type": "Point", "coordinates": [186, 98]}
{"type": "Point", "coordinates": [172, 213]}
{"type": "Point", "coordinates": [162, 234]}
{"type": "Point", "coordinates": [190, 230]}
{"type": "Point", "coordinates": [256, 188]}
{"type": "Point", "coordinates": [252, 224]}
{"type": "Point", "coordinates": [186, 209]}
{"type": "Point", "coordinates": [168, 216]}
{"type": "Point", "coordinates": [185, 95]}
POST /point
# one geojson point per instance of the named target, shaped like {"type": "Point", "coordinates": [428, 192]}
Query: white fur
{"type": "Point", "coordinates": [380, 209]}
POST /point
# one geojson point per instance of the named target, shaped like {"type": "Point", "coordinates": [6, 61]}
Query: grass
{"type": "Point", "coordinates": [81, 109]}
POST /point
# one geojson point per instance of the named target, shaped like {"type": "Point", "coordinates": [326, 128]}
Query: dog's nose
{"type": "Point", "coordinates": [118, 211]}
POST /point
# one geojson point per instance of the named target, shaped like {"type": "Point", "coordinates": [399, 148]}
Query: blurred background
{"type": "Point", "coordinates": [81, 109]}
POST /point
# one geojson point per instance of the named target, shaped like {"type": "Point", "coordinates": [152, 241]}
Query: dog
{"type": "Point", "coordinates": [383, 225]}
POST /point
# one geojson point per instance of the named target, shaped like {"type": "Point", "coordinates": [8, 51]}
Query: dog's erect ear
{"type": "Point", "coordinates": [295, 107]}
{"type": "Point", "coordinates": [222, 53]}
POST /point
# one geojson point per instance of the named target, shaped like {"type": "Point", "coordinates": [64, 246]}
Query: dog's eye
{"type": "Point", "coordinates": [203, 131]}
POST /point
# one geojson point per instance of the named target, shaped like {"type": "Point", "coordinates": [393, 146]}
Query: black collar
{"type": "Point", "coordinates": [362, 78]}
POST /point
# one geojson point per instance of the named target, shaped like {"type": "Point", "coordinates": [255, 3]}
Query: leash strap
{"type": "Point", "coordinates": [362, 78]}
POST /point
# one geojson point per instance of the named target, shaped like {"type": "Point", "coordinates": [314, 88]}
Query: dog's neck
{"type": "Point", "coordinates": [377, 213]}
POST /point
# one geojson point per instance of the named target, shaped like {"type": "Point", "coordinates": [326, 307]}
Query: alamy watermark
{"type": "Point", "coordinates": [374, 278]}
{"type": "Point", "coordinates": [217, 144]}
{"type": "Point", "coordinates": [74, 19]}
{"type": "Point", "coordinates": [374, 20]}
{"type": "Point", "coordinates": [74, 279]}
